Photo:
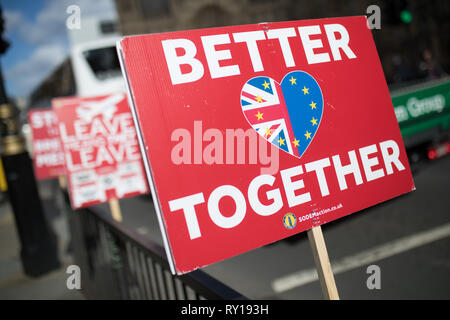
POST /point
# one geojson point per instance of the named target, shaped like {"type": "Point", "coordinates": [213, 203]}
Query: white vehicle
{"type": "Point", "coordinates": [96, 68]}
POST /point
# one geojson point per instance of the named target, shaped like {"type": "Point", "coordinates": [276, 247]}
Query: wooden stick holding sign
{"type": "Point", "coordinates": [62, 182]}
{"type": "Point", "coordinates": [115, 209]}
{"type": "Point", "coordinates": [322, 262]}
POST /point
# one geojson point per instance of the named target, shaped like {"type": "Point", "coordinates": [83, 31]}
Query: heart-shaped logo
{"type": "Point", "coordinates": [286, 115]}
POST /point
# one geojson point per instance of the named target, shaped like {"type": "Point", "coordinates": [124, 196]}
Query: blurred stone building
{"type": "Point", "coordinates": [408, 27]}
{"type": "Point", "coordinates": [149, 16]}
{"type": "Point", "coordinates": [59, 83]}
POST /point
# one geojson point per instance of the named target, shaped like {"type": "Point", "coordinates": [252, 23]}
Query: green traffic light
{"type": "Point", "coordinates": [406, 16]}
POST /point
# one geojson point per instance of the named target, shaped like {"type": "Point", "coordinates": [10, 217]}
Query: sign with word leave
{"type": "Point", "coordinates": [48, 155]}
{"type": "Point", "coordinates": [102, 154]}
{"type": "Point", "coordinates": [254, 133]}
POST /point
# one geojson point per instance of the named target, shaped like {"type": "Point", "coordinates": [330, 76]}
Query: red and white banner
{"type": "Point", "coordinates": [254, 133]}
{"type": "Point", "coordinates": [102, 155]}
{"type": "Point", "coordinates": [48, 156]}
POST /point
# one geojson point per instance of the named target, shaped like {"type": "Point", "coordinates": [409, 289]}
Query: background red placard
{"type": "Point", "coordinates": [104, 175]}
{"type": "Point", "coordinates": [45, 144]}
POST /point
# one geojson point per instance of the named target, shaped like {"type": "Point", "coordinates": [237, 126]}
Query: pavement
{"type": "Point", "coordinates": [14, 284]}
{"type": "Point", "coordinates": [407, 238]}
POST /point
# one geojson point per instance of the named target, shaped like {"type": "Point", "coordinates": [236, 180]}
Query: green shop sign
{"type": "Point", "coordinates": [422, 107]}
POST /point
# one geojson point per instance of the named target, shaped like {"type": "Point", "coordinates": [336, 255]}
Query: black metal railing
{"type": "Point", "coordinates": [117, 263]}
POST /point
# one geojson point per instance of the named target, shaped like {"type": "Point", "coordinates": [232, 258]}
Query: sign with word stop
{"type": "Point", "coordinates": [48, 155]}
{"type": "Point", "coordinates": [254, 133]}
{"type": "Point", "coordinates": [102, 155]}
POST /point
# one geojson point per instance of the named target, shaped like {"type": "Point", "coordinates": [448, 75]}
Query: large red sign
{"type": "Point", "coordinates": [48, 156]}
{"type": "Point", "coordinates": [102, 155]}
{"type": "Point", "coordinates": [254, 133]}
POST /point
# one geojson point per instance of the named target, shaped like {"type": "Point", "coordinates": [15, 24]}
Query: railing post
{"type": "Point", "coordinates": [124, 254]}
{"type": "Point", "coordinates": [116, 263]}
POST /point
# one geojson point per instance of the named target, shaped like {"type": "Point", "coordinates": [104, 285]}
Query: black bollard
{"type": "Point", "coordinates": [39, 252]}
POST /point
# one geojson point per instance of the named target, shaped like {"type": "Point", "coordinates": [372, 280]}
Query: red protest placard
{"type": "Point", "coordinates": [255, 133]}
{"type": "Point", "coordinates": [102, 155]}
{"type": "Point", "coordinates": [48, 156]}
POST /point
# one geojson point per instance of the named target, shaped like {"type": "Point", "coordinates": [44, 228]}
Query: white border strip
{"type": "Point", "coordinates": [146, 161]}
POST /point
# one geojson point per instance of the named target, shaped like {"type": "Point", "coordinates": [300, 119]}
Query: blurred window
{"type": "Point", "coordinates": [103, 62]}
{"type": "Point", "coordinates": [211, 16]}
{"type": "Point", "coordinates": [124, 5]}
{"type": "Point", "coordinates": [153, 8]}
{"type": "Point", "coordinates": [108, 27]}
